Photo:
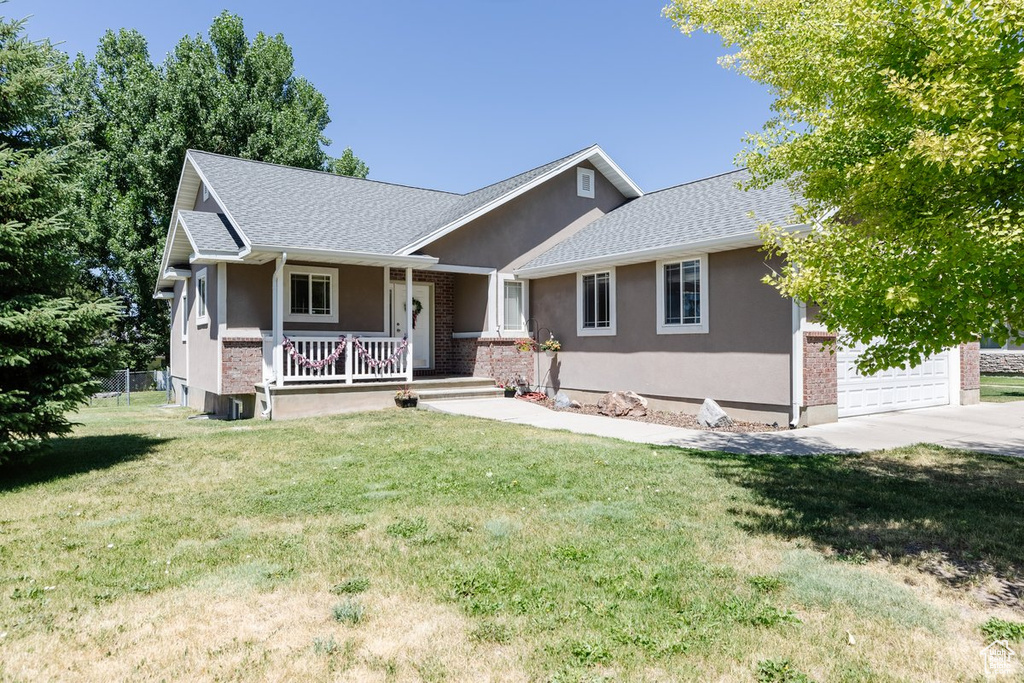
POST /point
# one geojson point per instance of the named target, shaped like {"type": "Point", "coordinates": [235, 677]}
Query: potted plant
{"type": "Point", "coordinates": [406, 397]}
{"type": "Point", "coordinates": [526, 344]}
{"type": "Point", "coordinates": [510, 387]}
{"type": "Point", "coordinates": [551, 346]}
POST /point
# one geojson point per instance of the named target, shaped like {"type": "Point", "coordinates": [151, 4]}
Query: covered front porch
{"type": "Point", "coordinates": [293, 401]}
{"type": "Point", "coordinates": [345, 336]}
{"type": "Point", "coordinates": [310, 296]}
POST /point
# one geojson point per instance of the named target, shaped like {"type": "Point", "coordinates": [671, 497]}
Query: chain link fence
{"type": "Point", "coordinates": [148, 387]}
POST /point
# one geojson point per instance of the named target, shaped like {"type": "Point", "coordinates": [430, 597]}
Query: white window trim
{"type": "Point", "coordinates": [502, 279]}
{"type": "Point", "coordinates": [206, 192]}
{"type": "Point", "coordinates": [612, 305]}
{"type": "Point", "coordinates": [687, 328]}
{"type": "Point", "coordinates": [290, 317]}
{"type": "Point", "coordinates": [202, 303]}
{"type": "Point", "coordinates": [184, 310]}
{"type": "Point", "coordinates": [580, 172]}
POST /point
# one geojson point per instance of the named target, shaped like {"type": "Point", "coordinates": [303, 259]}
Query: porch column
{"type": "Point", "coordinates": [278, 287]}
{"type": "Point", "coordinates": [408, 323]}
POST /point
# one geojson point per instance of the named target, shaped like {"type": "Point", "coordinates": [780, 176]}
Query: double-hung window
{"type": "Point", "coordinates": [682, 296]}
{"type": "Point", "coordinates": [513, 306]}
{"type": "Point", "coordinates": [595, 303]}
{"type": "Point", "coordinates": [311, 294]}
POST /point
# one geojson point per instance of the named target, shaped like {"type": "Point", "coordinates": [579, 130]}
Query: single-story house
{"type": "Point", "coordinates": [297, 293]}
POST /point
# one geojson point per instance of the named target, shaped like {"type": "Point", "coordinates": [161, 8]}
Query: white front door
{"type": "Point", "coordinates": [422, 334]}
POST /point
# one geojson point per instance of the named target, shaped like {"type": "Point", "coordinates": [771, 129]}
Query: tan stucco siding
{"type": "Point", "coordinates": [470, 302]}
{"type": "Point", "coordinates": [210, 205]}
{"type": "Point", "coordinates": [744, 357]}
{"type": "Point", "coordinates": [177, 350]}
{"type": "Point", "coordinates": [500, 238]}
{"type": "Point", "coordinates": [360, 299]}
{"type": "Point", "coordinates": [203, 344]}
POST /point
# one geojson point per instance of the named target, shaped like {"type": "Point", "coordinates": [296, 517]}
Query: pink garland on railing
{"type": "Point", "coordinates": [338, 352]}
{"type": "Point", "coordinates": [378, 364]}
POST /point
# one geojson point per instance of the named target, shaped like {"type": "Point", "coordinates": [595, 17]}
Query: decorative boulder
{"type": "Point", "coordinates": [562, 400]}
{"type": "Point", "coordinates": [712, 416]}
{"type": "Point", "coordinates": [622, 404]}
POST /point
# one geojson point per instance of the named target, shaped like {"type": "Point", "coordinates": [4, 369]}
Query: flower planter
{"type": "Point", "coordinates": [510, 392]}
{"type": "Point", "coordinates": [409, 402]}
{"type": "Point", "coordinates": [550, 354]}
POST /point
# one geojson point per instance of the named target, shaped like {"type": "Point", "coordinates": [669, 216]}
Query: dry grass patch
{"type": "Point", "coordinates": [189, 634]}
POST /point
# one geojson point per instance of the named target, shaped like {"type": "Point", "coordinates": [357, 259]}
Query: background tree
{"type": "Point", "coordinates": [227, 95]}
{"type": "Point", "coordinates": [905, 119]}
{"type": "Point", "coordinates": [51, 331]}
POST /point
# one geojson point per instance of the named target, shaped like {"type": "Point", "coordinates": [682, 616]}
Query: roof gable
{"type": "Point", "coordinates": [479, 202]}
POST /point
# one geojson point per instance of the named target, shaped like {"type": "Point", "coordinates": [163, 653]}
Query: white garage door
{"type": "Point", "coordinates": [893, 389]}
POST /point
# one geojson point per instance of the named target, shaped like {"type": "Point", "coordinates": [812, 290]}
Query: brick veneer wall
{"type": "Point", "coordinates": [820, 375]}
{"type": "Point", "coordinates": [241, 365]}
{"type": "Point", "coordinates": [970, 366]}
{"type": "Point", "coordinates": [495, 358]}
{"type": "Point", "coordinates": [444, 314]}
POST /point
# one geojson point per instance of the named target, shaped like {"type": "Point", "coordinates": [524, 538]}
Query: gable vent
{"type": "Point", "coordinates": [585, 182]}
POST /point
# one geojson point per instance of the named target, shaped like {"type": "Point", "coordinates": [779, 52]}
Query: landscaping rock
{"type": "Point", "coordinates": [575, 405]}
{"type": "Point", "coordinates": [622, 404]}
{"type": "Point", "coordinates": [562, 400]}
{"type": "Point", "coordinates": [712, 416]}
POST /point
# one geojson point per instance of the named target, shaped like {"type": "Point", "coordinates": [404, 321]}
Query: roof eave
{"type": "Point", "coordinates": [346, 256]}
{"type": "Point", "coordinates": [738, 241]}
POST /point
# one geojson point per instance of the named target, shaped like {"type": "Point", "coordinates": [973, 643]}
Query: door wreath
{"type": "Point", "coordinates": [417, 308]}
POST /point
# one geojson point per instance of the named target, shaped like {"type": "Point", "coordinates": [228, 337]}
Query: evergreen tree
{"type": "Point", "coordinates": [51, 331]}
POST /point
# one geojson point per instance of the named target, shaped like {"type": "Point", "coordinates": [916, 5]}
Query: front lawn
{"type": "Point", "coordinates": [1002, 388]}
{"type": "Point", "coordinates": [406, 545]}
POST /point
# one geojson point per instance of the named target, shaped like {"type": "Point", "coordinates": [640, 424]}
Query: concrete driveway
{"type": "Point", "coordinates": [988, 428]}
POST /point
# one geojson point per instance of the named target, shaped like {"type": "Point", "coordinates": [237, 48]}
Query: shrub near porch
{"type": "Point", "coordinates": [404, 545]}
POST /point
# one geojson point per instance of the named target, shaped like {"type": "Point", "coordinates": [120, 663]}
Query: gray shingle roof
{"type": "Point", "coordinates": [211, 231]}
{"type": "Point", "coordinates": [296, 208]}
{"type": "Point", "coordinates": [677, 216]}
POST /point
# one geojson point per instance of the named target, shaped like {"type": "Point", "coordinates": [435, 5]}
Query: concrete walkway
{"type": "Point", "coordinates": [989, 428]}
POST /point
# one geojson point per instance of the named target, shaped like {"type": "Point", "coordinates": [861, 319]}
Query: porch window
{"type": "Point", "coordinates": [682, 296]}
{"type": "Point", "coordinates": [311, 293]}
{"type": "Point", "coordinates": [595, 303]}
{"type": "Point", "coordinates": [515, 307]}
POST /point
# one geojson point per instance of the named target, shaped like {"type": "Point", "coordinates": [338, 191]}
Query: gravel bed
{"type": "Point", "coordinates": [671, 419]}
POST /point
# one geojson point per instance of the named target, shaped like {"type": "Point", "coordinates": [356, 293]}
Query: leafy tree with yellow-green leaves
{"type": "Point", "coordinates": [900, 123]}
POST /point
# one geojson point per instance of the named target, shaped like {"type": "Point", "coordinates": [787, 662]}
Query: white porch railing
{"type": "Point", "coordinates": [343, 358]}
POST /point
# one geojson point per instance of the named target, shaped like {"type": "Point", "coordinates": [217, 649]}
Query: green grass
{"type": "Point", "coordinates": [1002, 388]}
{"type": "Point", "coordinates": [414, 545]}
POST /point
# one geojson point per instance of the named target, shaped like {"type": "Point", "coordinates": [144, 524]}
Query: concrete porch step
{"type": "Point", "coordinates": [451, 393]}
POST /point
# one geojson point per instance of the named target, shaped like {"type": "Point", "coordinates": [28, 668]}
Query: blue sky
{"type": "Point", "coordinates": [456, 95]}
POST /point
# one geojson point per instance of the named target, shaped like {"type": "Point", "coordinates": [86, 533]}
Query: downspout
{"type": "Point", "coordinates": [797, 361]}
{"type": "Point", "coordinates": [278, 324]}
